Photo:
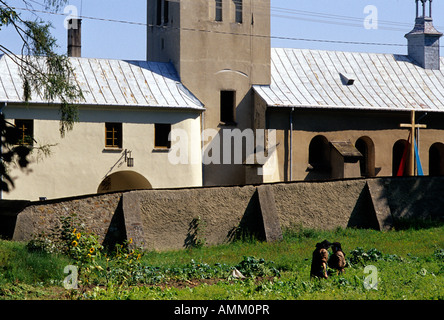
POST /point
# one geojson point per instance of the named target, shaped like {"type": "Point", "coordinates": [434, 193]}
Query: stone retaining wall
{"type": "Point", "coordinates": [175, 219]}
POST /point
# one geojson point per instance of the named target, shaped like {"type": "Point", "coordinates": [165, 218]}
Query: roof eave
{"type": "Point", "coordinates": [363, 108]}
{"type": "Point", "coordinates": [117, 106]}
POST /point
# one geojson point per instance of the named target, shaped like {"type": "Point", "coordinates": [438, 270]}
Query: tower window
{"type": "Point", "coordinates": [162, 12]}
{"type": "Point", "coordinates": [161, 136]}
{"type": "Point", "coordinates": [239, 10]}
{"type": "Point", "coordinates": [159, 13]}
{"type": "Point", "coordinates": [218, 10]}
{"type": "Point", "coordinates": [227, 106]}
{"type": "Point", "coordinates": [26, 129]}
{"type": "Point", "coordinates": [113, 135]}
{"type": "Point", "coordinates": [166, 11]}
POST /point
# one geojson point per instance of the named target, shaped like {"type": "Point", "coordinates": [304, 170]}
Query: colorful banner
{"type": "Point", "coordinates": [404, 159]}
{"type": "Point", "coordinates": [418, 161]}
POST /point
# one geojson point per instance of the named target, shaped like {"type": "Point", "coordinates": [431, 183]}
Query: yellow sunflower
{"type": "Point", "coordinates": [74, 243]}
{"type": "Point", "coordinates": [91, 250]}
{"type": "Point", "coordinates": [78, 235]}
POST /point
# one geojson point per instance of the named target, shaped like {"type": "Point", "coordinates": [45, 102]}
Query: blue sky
{"type": "Point", "coordinates": [326, 23]}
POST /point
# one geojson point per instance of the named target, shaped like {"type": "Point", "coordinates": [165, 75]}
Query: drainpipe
{"type": "Point", "coordinates": [291, 144]}
{"type": "Point", "coordinates": [1, 178]}
{"type": "Point", "coordinates": [202, 129]}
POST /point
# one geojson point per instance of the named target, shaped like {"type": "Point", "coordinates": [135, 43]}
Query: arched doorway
{"type": "Point", "coordinates": [124, 181]}
{"type": "Point", "coordinates": [319, 158]}
{"type": "Point", "coordinates": [400, 149]}
{"type": "Point", "coordinates": [436, 159]}
{"type": "Point", "coordinates": [366, 147]}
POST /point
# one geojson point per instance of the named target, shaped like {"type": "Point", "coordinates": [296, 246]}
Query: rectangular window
{"type": "Point", "coordinates": [161, 136]}
{"type": "Point", "coordinates": [166, 11]}
{"type": "Point", "coordinates": [159, 12]}
{"type": "Point", "coordinates": [113, 135]}
{"type": "Point", "coordinates": [227, 106]}
{"type": "Point", "coordinates": [239, 10]}
{"type": "Point", "coordinates": [26, 129]}
{"type": "Point", "coordinates": [218, 10]}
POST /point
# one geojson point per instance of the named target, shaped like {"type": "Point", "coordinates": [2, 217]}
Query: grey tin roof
{"type": "Point", "coordinates": [318, 79]}
{"type": "Point", "coordinates": [106, 82]}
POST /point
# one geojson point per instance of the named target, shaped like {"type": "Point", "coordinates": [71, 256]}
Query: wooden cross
{"type": "Point", "coordinates": [412, 126]}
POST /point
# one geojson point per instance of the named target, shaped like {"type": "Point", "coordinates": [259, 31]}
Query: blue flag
{"type": "Point", "coordinates": [418, 161]}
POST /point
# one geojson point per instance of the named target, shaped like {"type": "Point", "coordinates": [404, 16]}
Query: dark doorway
{"type": "Point", "coordinates": [319, 159]}
{"type": "Point", "coordinates": [367, 164]}
{"type": "Point", "coordinates": [436, 159]}
{"type": "Point", "coordinates": [400, 149]}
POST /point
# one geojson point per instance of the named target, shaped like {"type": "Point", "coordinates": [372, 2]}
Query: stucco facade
{"type": "Point", "coordinates": [213, 56]}
{"type": "Point", "coordinates": [79, 162]}
{"type": "Point", "coordinates": [379, 132]}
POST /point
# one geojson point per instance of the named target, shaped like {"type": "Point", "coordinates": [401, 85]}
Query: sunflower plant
{"type": "Point", "coordinates": [83, 247]}
{"type": "Point", "coordinates": [123, 265]}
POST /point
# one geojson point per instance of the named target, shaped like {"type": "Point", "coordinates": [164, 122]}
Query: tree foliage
{"type": "Point", "coordinates": [44, 73]}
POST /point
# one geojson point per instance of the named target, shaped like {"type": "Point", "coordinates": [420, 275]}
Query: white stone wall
{"type": "Point", "coordinates": [79, 162]}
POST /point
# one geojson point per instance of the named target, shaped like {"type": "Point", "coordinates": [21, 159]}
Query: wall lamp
{"type": "Point", "coordinates": [129, 159]}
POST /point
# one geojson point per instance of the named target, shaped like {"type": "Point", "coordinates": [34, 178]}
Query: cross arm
{"type": "Point", "coordinates": [406, 125]}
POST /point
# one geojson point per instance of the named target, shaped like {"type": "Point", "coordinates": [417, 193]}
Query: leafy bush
{"type": "Point", "coordinates": [123, 265]}
{"type": "Point", "coordinates": [298, 232]}
{"type": "Point", "coordinates": [42, 244]}
{"type": "Point", "coordinates": [197, 270]}
{"type": "Point", "coordinates": [251, 266]}
{"type": "Point", "coordinates": [73, 241]}
{"type": "Point", "coordinates": [439, 254]}
{"type": "Point", "coordinates": [359, 255]}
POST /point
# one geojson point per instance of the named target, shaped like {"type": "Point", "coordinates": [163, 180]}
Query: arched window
{"type": "Point", "coordinates": [436, 159]}
{"type": "Point", "coordinates": [366, 147]}
{"type": "Point", "coordinates": [319, 154]}
{"type": "Point", "coordinates": [400, 152]}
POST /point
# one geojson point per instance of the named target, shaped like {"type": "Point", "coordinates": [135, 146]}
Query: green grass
{"type": "Point", "coordinates": [410, 266]}
{"type": "Point", "coordinates": [19, 265]}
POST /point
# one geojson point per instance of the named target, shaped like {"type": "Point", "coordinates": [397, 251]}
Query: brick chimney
{"type": "Point", "coordinates": [75, 38]}
{"type": "Point", "coordinates": [423, 40]}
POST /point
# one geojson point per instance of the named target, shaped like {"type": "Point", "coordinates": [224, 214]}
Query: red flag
{"type": "Point", "coordinates": [404, 159]}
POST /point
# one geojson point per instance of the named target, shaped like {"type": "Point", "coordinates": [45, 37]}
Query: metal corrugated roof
{"type": "Point", "coordinates": [107, 82]}
{"type": "Point", "coordinates": [312, 79]}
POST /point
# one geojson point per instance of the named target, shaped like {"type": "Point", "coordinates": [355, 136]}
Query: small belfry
{"type": "Point", "coordinates": [423, 40]}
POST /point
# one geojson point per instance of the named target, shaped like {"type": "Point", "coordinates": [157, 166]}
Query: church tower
{"type": "Point", "coordinates": [423, 40]}
{"type": "Point", "coordinates": [220, 48]}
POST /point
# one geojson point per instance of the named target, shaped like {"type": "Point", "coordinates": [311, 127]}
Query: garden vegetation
{"type": "Point", "coordinates": [409, 265]}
